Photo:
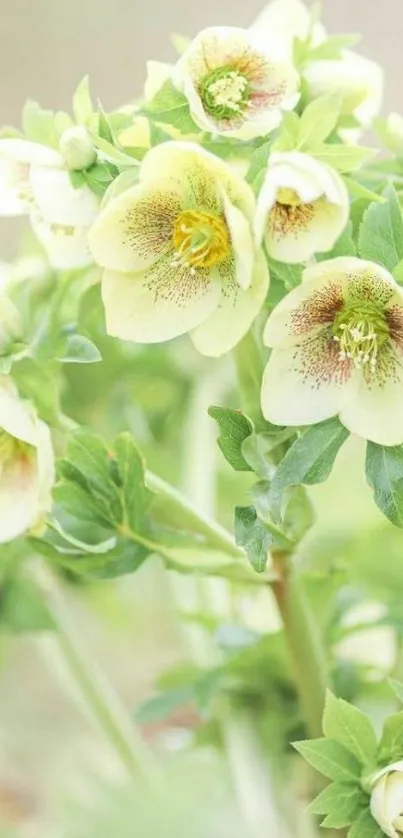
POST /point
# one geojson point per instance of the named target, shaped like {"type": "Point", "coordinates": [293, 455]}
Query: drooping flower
{"type": "Point", "coordinates": [387, 799]}
{"type": "Point", "coordinates": [178, 252]}
{"type": "Point", "coordinates": [233, 85]}
{"type": "Point", "coordinates": [337, 344]}
{"type": "Point", "coordinates": [302, 208]}
{"type": "Point", "coordinates": [34, 180]}
{"type": "Point", "coordinates": [26, 466]}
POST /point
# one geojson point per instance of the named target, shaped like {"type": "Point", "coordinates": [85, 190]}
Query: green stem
{"type": "Point", "coordinates": [96, 691]}
{"type": "Point", "coordinates": [249, 367]}
{"type": "Point", "coordinates": [216, 535]}
{"type": "Point", "coordinates": [304, 642]}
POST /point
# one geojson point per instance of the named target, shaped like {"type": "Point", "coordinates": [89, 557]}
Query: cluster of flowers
{"type": "Point", "coordinates": [185, 240]}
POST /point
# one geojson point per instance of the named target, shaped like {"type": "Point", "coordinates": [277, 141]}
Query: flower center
{"type": "Point", "coordinates": [288, 197]}
{"type": "Point", "coordinates": [224, 92]}
{"type": "Point", "coordinates": [201, 240]}
{"type": "Point", "coordinates": [361, 330]}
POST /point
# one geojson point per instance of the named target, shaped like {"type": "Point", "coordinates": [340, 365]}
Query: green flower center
{"type": "Point", "coordinates": [200, 239]}
{"type": "Point", "coordinates": [361, 330]}
{"type": "Point", "coordinates": [224, 92]}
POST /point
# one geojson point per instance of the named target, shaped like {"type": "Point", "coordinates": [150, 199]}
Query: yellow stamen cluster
{"type": "Point", "coordinates": [200, 239]}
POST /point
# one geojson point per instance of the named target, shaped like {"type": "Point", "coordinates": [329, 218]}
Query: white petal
{"type": "Point", "coordinates": [25, 151]}
{"type": "Point", "coordinates": [308, 306]}
{"type": "Point", "coordinates": [136, 228]}
{"type": "Point", "coordinates": [281, 21]}
{"type": "Point", "coordinates": [15, 191]}
{"type": "Point", "coordinates": [16, 416]}
{"type": "Point", "coordinates": [18, 497]}
{"type": "Point", "coordinates": [233, 317]}
{"type": "Point", "coordinates": [393, 805]}
{"type": "Point", "coordinates": [58, 201]}
{"type": "Point", "coordinates": [242, 243]}
{"type": "Point", "coordinates": [357, 79]}
{"type": "Point", "coordinates": [305, 384]}
{"type": "Point", "coordinates": [377, 806]}
{"type": "Point", "coordinates": [66, 247]}
{"type": "Point", "coordinates": [45, 465]}
{"type": "Point", "coordinates": [375, 410]}
{"type": "Point", "coordinates": [159, 304]}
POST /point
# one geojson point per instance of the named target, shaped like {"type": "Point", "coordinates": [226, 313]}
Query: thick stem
{"type": "Point", "coordinates": [304, 642]}
{"type": "Point", "coordinates": [91, 684]}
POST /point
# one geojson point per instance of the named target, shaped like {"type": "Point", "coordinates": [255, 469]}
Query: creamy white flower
{"type": "Point", "coordinates": [302, 209]}
{"type": "Point", "coordinates": [26, 466]}
{"type": "Point", "coordinates": [281, 21]}
{"type": "Point", "coordinates": [359, 82]}
{"type": "Point", "coordinates": [34, 180]}
{"type": "Point", "coordinates": [387, 799]}
{"type": "Point", "coordinates": [233, 85]}
{"type": "Point", "coordinates": [178, 252]}
{"type": "Point", "coordinates": [337, 344]}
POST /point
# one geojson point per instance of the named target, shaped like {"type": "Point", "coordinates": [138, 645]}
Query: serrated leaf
{"type": "Point", "coordinates": [358, 190]}
{"type": "Point", "coordinates": [290, 275]}
{"type": "Point", "coordinates": [310, 458]}
{"type": "Point", "coordinates": [381, 231]}
{"type": "Point", "coordinates": [384, 472]}
{"type": "Point", "coordinates": [344, 158]}
{"type": "Point", "coordinates": [350, 727]}
{"type": "Point", "coordinates": [171, 107]}
{"type": "Point", "coordinates": [340, 802]}
{"type": "Point", "coordinates": [391, 744]}
{"type": "Point", "coordinates": [100, 176]}
{"type": "Point", "coordinates": [82, 104]}
{"type": "Point", "coordinates": [330, 759]}
{"type": "Point", "coordinates": [252, 536]}
{"type": "Point", "coordinates": [365, 827]}
{"type": "Point", "coordinates": [136, 497]}
{"type": "Point", "coordinates": [74, 500]}
{"type": "Point", "coordinates": [288, 136]}
{"type": "Point", "coordinates": [234, 427]}
{"type": "Point", "coordinates": [258, 163]}
{"type": "Point", "coordinates": [79, 350]}
{"type": "Point", "coordinates": [38, 124]}
{"type": "Point", "coordinates": [318, 121]}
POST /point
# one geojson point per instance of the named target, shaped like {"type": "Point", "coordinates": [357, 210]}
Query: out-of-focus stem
{"type": "Point", "coordinates": [91, 684]}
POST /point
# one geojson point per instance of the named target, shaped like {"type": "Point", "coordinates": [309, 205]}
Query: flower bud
{"type": "Point", "coordinates": [77, 148]}
{"type": "Point", "coordinates": [387, 799]}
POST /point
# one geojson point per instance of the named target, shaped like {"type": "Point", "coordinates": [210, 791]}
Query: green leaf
{"type": "Point", "coordinates": [310, 459]}
{"type": "Point", "coordinates": [330, 759]}
{"type": "Point", "coordinates": [79, 350]}
{"type": "Point", "coordinates": [105, 129]}
{"type": "Point", "coordinates": [171, 107]}
{"type": "Point", "coordinates": [391, 744]}
{"type": "Point", "coordinates": [342, 804]}
{"type": "Point", "coordinates": [39, 125]}
{"type": "Point", "coordinates": [384, 472]}
{"type": "Point", "coordinates": [398, 272]}
{"type": "Point", "coordinates": [318, 121]}
{"type": "Point", "coordinates": [100, 176]}
{"type": "Point", "coordinates": [252, 536]}
{"type": "Point", "coordinates": [257, 450]}
{"type": "Point", "coordinates": [79, 503]}
{"type": "Point", "coordinates": [136, 497]}
{"type": "Point", "coordinates": [365, 827]}
{"type": "Point", "coordinates": [234, 427]}
{"type": "Point", "coordinates": [290, 275]}
{"type": "Point", "coordinates": [344, 158]}
{"type": "Point", "coordinates": [288, 136]}
{"type": "Point", "coordinates": [114, 155]}
{"type": "Point", "coordinates": [358, 190]}
{"type": "Point", "coordinates": [82, 104]}
{"type": "Point", "coordinates": [381, 232]}
{"type": "Point", "coordinates": [350, 727]}
{"type": "Point", "coordinates": [331, 48]}
{"type": "Point", "coordinates": [258, 163]}
{"type": "Point", "coordinates": [397, 687]}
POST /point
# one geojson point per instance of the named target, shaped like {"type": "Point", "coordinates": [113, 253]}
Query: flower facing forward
{"type": "Point", "coordinates": [337, 344]}
{"type": "Point", "coordinates": [34, 180]}
{"type": "Point", "coordinates": [302, 209]}
{"type": "Point", "coordinates": [178, 253]}
{"type": "Point", "coordinates": [387, 799]}
{"type": "Point", "coordinates": [26, 466]}
{"type": "Point", "coordinates": [233, 85]}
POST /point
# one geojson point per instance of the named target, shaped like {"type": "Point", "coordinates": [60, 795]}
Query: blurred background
{"type": "Point", "coordinates": [58, 777]}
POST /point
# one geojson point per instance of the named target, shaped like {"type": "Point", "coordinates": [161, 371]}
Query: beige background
{"type": "Point", "coordinates": [46, 46]}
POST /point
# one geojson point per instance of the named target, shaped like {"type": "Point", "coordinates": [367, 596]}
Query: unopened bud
{"type": "Point", "coordinates": [77, 148]}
